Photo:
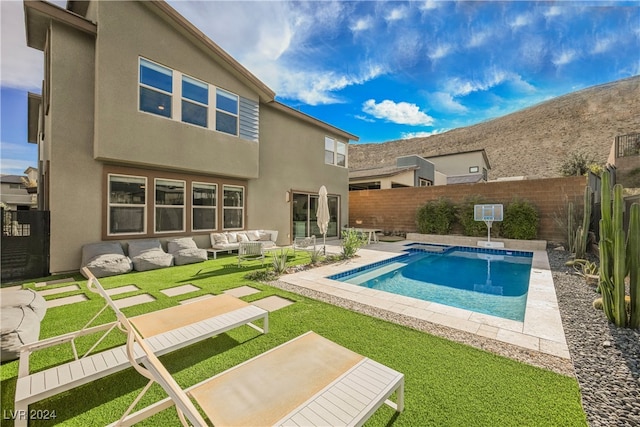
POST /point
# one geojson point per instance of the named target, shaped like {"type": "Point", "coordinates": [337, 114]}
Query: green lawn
{"type": "Point", "coordinates": [446, 383]}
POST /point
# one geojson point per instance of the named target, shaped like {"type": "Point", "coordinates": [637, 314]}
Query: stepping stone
{"type": "Point", "coordinates": [272, 303]}
{"type": "Point", "coordinates": [66, 300]}
{"type": "Point", "coordinates": [241, 291]}
{"type": "Point", "coordinates": [201, 297]}
{"type": "Point", "coordinates": [54, 282]}
{"type": "Point", "coordinates": [180, 290]}
{"type": "Point", "coordinates": [61, 290]}
{"type": "Point", "coordinates": [134, 300]}
{"type": "Point", "coordinates": [122, 290]}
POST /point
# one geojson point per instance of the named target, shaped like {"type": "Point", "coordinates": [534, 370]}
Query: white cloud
{"type": "Point", "coordinates": [409, 135]}
{"type": "Point", "coordinates": [361, 24]}
{"type": "Point", "coordinates": [552, 12]}
{"type": "Point", "coordinates": [564, 57]}
{"type": "Point", "coordinates": [520, 21]}
{"type": "Point", "coordinates": [397, 14]}
{"type": "Point", "coordinates": [443, 101]}
{"type": "Point", "coordinates": [402, 113]}
{"type": "Point", "coordinates": [16, 158]}
{"type": "Point", "coordinates": [479, 38]}
{"type": "Point", "coordinates": [20, 66]}
{"type": "Point", "coordinates": [439, 51]}
{"type": "Point", "coordinates": [457, 86]}
{"type": "Point", "coordinates": [429, 5]}
{"type": "Point", "coordinates": [364, 118]}
{"type": "Point", "coordinates": [603, 44]}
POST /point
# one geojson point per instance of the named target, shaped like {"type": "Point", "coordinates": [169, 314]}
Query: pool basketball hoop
{"type": "Point", "coordinates": [488, 214]}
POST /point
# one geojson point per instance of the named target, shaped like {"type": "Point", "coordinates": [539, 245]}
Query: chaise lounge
{"type": "Point", "coordinates": [164, 331]}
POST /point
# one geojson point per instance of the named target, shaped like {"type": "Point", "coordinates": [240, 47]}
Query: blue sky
{"type": "Point", "coordinates": [382, 70]}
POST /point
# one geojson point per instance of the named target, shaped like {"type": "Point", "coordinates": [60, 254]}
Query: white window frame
{"type": "Point", "coordinates": [191, 101]}
{"type": "Point", "coordinates": [156, 206]}
{"type": "Point", "coordinates": [227, 94]}
{"type": "Point", "coordinates": [126, 205]}
{"type": "Point", "coordinates": [334, 150]}
{"type": "Point", "coordinates": [241, 208]}
{"type": "Point", "coordinates": [194, 184]}
{"type": "Point", "coordinates": [155, 89]}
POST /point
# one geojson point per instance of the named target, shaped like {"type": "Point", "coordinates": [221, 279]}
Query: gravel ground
{"type": "Point", "coordinates": [606, 360]}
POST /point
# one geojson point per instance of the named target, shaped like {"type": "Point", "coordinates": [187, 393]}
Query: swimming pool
{"type": "Point", "coordinates": [488, 281]}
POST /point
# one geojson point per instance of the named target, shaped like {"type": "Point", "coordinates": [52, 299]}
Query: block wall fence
{"type": "Point", "coordinates": [394, 210]}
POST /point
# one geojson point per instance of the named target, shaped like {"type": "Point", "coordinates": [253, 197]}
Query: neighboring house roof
{"type": "Point", "coordinates": [464, 179]}
{"type": "Point", "coordinates": [482, 151]}
{"type": "Point", "coordinates": [379, 172]}
{"type": "Point", "coordinates": [12, 179]}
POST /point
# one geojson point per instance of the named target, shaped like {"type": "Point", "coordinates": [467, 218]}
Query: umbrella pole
{"type": "Point", "coordinates": [324, 244]}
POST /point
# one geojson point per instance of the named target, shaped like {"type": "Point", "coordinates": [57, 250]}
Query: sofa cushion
{"type": "Point", "coordinates": [264, 236]}
{"type": "Point", "coordinates": [253, 235]}
{"type": "Point", "coordinates": [148, 254]}
{"type": "Point", "coordinates": [185, 251]}
{"type": "Point", "coordinates": [232, 237]}
{"type": "Point", "coordinates": [242, 237]}
{"type": "Point", "coordinates": [105, 259]}
{"type": "Point", "coordinates": [219, 239]}
{"type": "Point", "coordinates": [22, 311]}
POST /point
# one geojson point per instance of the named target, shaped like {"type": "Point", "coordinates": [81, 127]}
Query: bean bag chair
{"type": "Point", "coordinates": [185, 251]}
{"type": "Point", "coordinates": [105, 259]}
{"type": "Point", "coordinates": [20, 316]}
{"type": "Point", "coordinates": [148, 255]}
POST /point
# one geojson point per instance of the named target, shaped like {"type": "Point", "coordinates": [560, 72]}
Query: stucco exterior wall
{"type": "Point", "coordinates": [458, 164]}
{"type": "Point", "coordinates": [291, 159]}
{"type": "Point", "coordinates": [75, 179]}
{"type": "Point", "coordinates": [126, 31]}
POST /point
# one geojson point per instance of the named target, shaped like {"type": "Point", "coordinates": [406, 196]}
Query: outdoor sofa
{"type": "Point", "coordinates": [230, 241]}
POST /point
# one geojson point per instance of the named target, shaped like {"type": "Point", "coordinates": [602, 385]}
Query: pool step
{"type": "Point", "coordinates": [358, 280]}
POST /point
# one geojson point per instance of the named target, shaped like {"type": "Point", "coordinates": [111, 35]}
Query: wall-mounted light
{"type": "Point", "coordinates": [287, 196]}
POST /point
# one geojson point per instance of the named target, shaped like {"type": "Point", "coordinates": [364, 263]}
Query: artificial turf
{"type": "Point", "coordinates": [446, 383]}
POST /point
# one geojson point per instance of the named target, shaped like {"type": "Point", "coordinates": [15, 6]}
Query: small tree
{"type": "Point", "coordinates": [578, 164]}
{"type": "Point", "coordinates": [436, 217]}
{"type": "Point", "coordinates": [520, 220]}
{"type": "Point", "coordinates": [465, 215]}
{"type": "Point", "coordinates": [352, 240]}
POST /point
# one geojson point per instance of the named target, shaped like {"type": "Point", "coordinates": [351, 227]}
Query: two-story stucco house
{"type": "Point", "coordinates": [148, 129]}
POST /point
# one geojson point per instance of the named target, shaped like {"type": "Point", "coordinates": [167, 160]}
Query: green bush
{"type": "Point", "coordinates": [352, 240]}
{"type": "Point", "coordinates": [520, 220]}
{"type": "Point", "coordinates": [436, 217]}
{"type": "Point", "coordinates": [471, 227]}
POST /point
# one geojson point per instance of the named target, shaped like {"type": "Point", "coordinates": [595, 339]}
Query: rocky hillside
{"type": "Point", "coordinates": [533, 141]}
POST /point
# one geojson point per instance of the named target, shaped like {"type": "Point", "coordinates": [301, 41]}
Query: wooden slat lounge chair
{"type": "Point", "coordinates": [164, 331]}
{"type": "Point", "coordinates": [307, 381]}
{"type": "Point", "coordinates": [250, 251]}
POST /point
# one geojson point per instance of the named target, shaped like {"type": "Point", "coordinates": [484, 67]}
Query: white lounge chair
{"type": "Point", "coordinates": [250, 251]}
{"type": "Point", "coordinates": [307, 381]}
{"type": "Point", "coordinates": [164, 331]}
{"type": "Point", "coordinates": [307, 244]}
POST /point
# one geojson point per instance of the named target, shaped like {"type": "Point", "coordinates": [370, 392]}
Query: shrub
{"type": "Point", "coordinates": [436, 217]}
{"type": "Point", "coordinates": [520, 220]}
{"type": "Point", "coordinates": [579, 163]}
{"type": "Point", "coordinates": [471, 227]}
{"type": "Point", "coordinates": [352, 240]}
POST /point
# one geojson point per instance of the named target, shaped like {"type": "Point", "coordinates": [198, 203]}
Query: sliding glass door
{"type": "Point", "coordinates": [305, 207]}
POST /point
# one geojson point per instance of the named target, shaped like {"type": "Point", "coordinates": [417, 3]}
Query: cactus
{"type": "Point", "coordinates": [571, 235]}
{"type": "Point", "coordinates": [619, 258]}
{"type": "Point", "coordinates": [582, 233]}
{"type": "Point", "coordinates": [633, 261]}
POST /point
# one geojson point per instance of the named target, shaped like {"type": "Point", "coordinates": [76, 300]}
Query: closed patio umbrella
{"type": "Point", "coordinates": [322, 215]}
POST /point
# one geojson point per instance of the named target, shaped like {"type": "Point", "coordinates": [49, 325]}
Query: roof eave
{"type": "Point", "coordinates": [33, 116]}
{"type": "Point", "coordinates": [38, 15]}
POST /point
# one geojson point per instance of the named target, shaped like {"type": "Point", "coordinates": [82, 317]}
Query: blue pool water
{"type": "Point", "coordinates": [488, 281]}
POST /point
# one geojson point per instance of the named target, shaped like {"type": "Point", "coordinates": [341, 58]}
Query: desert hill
{"type": "Point", "coordinates": [534, 141]}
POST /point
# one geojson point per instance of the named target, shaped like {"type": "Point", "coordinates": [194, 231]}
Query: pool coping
{"type": "Point", "coordinates": [541, 330]}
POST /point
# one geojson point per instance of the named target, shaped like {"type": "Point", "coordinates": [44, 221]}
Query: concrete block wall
{"type": "Point", "coordinates": [394, 210]}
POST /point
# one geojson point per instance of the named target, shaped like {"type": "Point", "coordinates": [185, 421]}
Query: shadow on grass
{"type": "Point", "coordinates": [125, 385]}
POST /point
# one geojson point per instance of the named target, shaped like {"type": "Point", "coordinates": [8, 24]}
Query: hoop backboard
{"type": "Point", "coordinates": [487, 212]}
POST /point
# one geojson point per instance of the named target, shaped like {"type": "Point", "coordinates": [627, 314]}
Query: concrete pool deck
{"type": "Point", "coordinates": [541, 330]}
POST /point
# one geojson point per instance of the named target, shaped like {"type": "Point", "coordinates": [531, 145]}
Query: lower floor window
{"type": "Point", "coordinates": [233, 207]}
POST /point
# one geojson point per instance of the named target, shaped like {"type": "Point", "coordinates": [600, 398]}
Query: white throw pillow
{"type": "Point", "coordinates": [253, 235]}
{"type": "Point", "coordinates": [232, 237]}
{"type": "Point", "coordinates": [242, 237]}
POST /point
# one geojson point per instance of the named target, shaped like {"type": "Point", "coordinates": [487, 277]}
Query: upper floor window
{"type": "Point", "coordinates": [204, 206]}
{"type": "Point", "coordinates": [335, 152]}
{"type": "Point", "coordinates": [170, 205]}
{"type": "Point", "coordinates": [156, 88]}
{"type": "Point", "coordinates": [226, 112]}
{"type": "Point", "coordinates": [195, 101]}
{"type": "Point", "coordinates": [127, 204]}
